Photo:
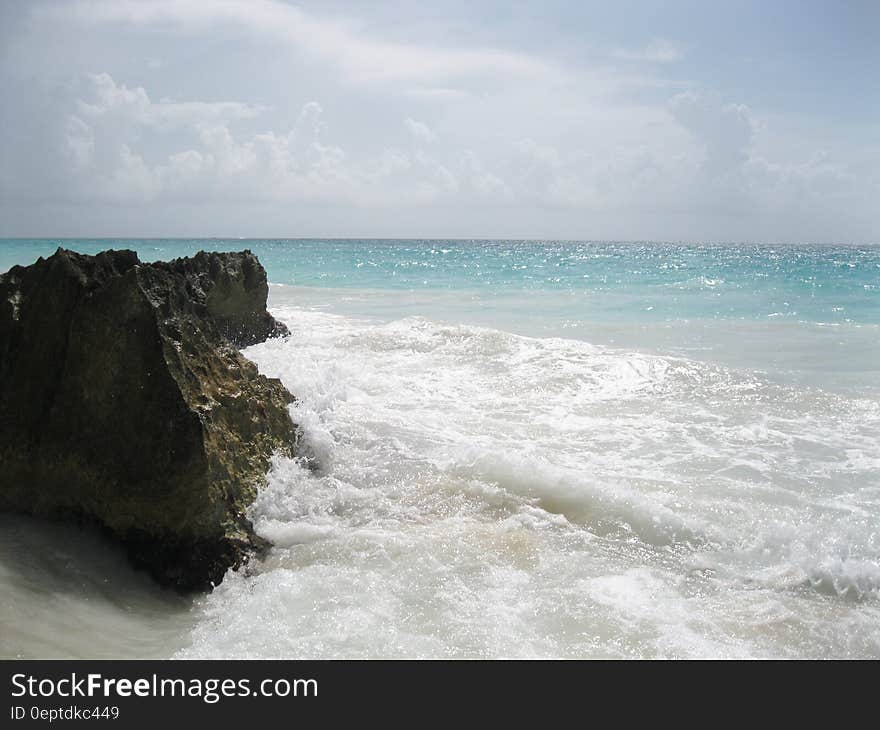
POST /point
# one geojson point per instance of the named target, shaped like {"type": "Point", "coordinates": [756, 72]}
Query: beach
{"type": "Point", "coordinates": [525, 449]}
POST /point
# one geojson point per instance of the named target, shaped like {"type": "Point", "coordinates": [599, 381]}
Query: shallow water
{"type": "Point", "coordinates": [531, 471]}
{"type": "Point", "coordinates": [68, 593]}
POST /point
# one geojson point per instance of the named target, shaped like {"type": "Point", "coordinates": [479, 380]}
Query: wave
{"type": "Point", "coordinates": [472, 492]}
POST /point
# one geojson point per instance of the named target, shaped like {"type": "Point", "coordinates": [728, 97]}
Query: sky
{"type": "Point", "coordinates": [667, 121]}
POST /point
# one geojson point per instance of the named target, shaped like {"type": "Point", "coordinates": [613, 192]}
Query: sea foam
{"type": "Point", "coordinates": [471, 492]}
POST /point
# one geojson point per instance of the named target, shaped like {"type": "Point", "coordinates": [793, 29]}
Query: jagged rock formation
{"type": "Point", "coordinates": [124, 402]}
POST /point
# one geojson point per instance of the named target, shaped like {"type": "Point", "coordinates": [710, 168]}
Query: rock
{"type": "Point", "coordinates": [125, 403]}
{"type": "Point", "coordinates": [233, 289]}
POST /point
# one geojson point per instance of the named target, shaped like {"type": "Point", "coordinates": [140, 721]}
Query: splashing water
{"type": "Point", "coordinates": [510, 474]}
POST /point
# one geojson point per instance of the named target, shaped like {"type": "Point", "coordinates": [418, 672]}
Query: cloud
{"type": "Point", "coordinates": [359, 57]}
{"type": "Point", "coordinates": [106, 123]}
{"type": "Point", "coordinates": [658, 50]}
{"type": "Point", "coordinates": [109, 144]}
{"type": "Point", "coordinates": [419, 130]}
{"type": "Point", "coordinates": [79, 142]}
{"type": "Point", "coordinates": [107, 98]}
{"type": "Point", "coordinates": [110, 153]}
{"type": "Point", "coordinates": [324, 113]}
{"type": "Point", "coordinates": [732, 177]}
{"type": "Point", "coordinates": [724, 131]}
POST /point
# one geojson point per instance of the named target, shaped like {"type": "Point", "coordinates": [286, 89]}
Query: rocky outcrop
{"type": "Point", "coordinates": [124, 402]}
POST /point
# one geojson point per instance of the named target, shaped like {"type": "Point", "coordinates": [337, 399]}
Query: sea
{"type": "Point", "coordinates": [580, 449]}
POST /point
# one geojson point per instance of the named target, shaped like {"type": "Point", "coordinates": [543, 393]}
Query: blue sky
{"type": "Point", "coordinates": [632, 120]}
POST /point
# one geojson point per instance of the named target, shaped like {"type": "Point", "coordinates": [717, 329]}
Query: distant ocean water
{"type": "Point", "coordinates": [528, 449]}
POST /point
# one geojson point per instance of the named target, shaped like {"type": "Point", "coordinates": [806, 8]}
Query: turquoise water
{"type": "Point", "coordinates": [804, 314]}
{"type": "Point", "coordinates": [551, 449]}
{"type": "Point", "coordinates": [822, 284]}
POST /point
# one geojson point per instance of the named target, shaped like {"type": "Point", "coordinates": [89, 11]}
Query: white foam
{"type": "Point", "coordinates": [479, 493]}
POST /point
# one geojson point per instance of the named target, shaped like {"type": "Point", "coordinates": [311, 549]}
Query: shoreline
{"type": "Point", "coordinates": [483, 493]}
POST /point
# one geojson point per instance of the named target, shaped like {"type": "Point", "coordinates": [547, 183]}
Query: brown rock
{"type": "Point", "coordinates": [124, 402]}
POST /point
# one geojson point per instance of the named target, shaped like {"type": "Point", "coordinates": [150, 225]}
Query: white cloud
{"type": "Point", "coordinates": [402, 128]}
{"type": "Point", "coordinates": [79, 142]}
{"type": "Point", "coordinates": [358, 56]}
{"type": "Point", "coordinates": [110, 158]}
{"type": "Point", "coordinates": [658, 50]}
{"type": "Point", "coordinates": [724, 130]}
{"type": "Point", "coordinates": [109, 98]}
{"type": "Point", "coordinates": [293, 165]}
{"type": "Point", "coordinates": [419, 130]}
